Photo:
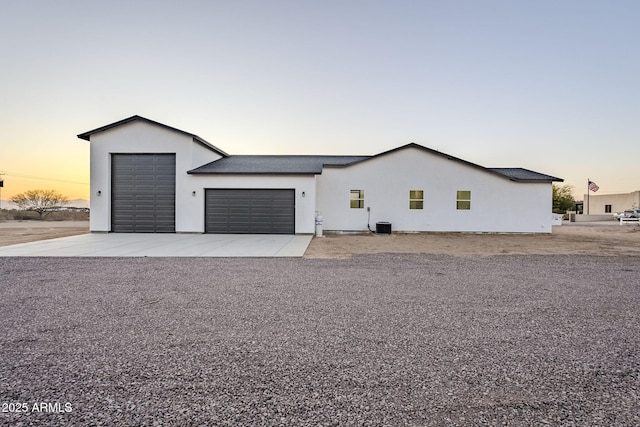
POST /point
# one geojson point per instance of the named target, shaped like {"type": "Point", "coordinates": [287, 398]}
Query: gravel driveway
{"type": "Point", "coordinates": [372, 340]}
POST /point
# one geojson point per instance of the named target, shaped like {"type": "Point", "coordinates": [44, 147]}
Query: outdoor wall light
{"type": "Point", "coordinates": [193, 193]}
{"type": "Point", "coordinates": [99, 193]}
{"type": "Point", "coordinates": [303, 194]}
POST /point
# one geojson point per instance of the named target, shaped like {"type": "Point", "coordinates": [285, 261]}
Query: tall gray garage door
{"type": "Point", "coordinates": [143, 193]}
{"type": "Point", "coordinates": [250, 211]}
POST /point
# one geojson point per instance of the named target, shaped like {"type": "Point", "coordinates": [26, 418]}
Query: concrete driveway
{"type": "Point", "coordinates": [163, 245]}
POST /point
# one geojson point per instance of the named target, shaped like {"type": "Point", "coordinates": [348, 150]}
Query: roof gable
{"type": "Point", "coordinates": [420, 147]}
{"type": "Point", "coordinates": [87, 135]}
{"type": "Point", "coordinates": [513, 174]}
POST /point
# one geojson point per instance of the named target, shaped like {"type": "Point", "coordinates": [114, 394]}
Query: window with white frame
{"type": "Point", "coordinates": [416, 199]}
{"type": "Point", "coordinates": [357, 199]}
{"type": "Point", "coordinates": [463, 200]}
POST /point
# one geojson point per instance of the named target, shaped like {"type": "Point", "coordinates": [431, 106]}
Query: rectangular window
{"type": "Point", "coordinates": [607, 208]}
{"type": "Point", "coordinates": [463, 200]}
{"type": "Point", "coordinates": [416, 199]}
{"type": "Point", "coordinates": [357, 199]}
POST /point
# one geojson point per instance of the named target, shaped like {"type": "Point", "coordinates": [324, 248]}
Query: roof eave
{"type": "Point", "coordinates": [209, 145]}
{"type": "Point", "coordinates": [87, 135]}
{"type": "Point", "coordinates": [193, 172]}
{"type": "Point", "coordinates": [537, 181]}
{"type": "Point", "coordinates": [428, 150]}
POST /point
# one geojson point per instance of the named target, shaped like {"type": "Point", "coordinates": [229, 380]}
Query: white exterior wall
{"type": "Point", "coordinates": [140, 137]}
{"type": "Point", "coordinates": [595, 204]}
{"type": "Point", "coordinates": [497, 204]}
{"type": "Point", "coordinates": [305, 205]}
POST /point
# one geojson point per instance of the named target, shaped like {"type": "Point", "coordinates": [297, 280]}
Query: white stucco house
{"type": "Point", "coordinates": [603, 204]}
{"type": "Point", "coordinates": [150, 177]}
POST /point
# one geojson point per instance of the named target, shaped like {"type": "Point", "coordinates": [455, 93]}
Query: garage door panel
{"type": "Point", "coordinates": [128, 197]}
{"type": "Point", "coordinates": [165, 187]}
{"type": "Point", "coordinates": [254, 211]}
{"type": "Point", "coordinates": [237, 201]}
{"type": "Point", "coordinates": [143, 188]}
{"type": "Point", "coordinates": [146, 185]}
{"type": "Point", "coordinates": [169, 199]}
{"type": "Point", "coordinates": [124, 165]}
{"type": "Point", "coordinates": [219, 212]}
{"type": "Point", "coordinates": [143, 193]}
{"type": "Point", "coordinates": [280, 210]}
{"type": "Point", "coordinates": [166, 160]}
{"type": "Point", "coordinates": [261, 213]}
{"type": "Point", "coordinates": [142, 169]}
{"type": "Point", "coordinates": [166, 199]}
{"type": "Point", "coordinates": [237, 204]}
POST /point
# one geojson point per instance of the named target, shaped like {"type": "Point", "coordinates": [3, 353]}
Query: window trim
{"type": "Point", "coordinates": [416, 203]}
{"type": "Point", "coordinates": [463, 203]}
{"type": "Point", "coordinates": [359, 199]}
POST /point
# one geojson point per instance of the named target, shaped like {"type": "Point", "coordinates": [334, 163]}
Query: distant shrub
{"type": "Point", "coordinates": [18, 215]}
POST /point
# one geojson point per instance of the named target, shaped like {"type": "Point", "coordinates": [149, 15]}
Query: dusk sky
{"type": "Point", "coordinates": [552, 86]}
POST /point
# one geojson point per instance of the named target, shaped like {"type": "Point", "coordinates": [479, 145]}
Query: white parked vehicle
{"type": "Point", "coordinates": [630, 216]}
{"type": "Point", "coordinates": [629, 213]}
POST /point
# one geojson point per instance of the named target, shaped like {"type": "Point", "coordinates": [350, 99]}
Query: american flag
{"type": "Point", "coordinates": [593, 186]}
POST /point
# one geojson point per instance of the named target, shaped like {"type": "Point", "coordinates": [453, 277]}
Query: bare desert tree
{"type": "Point", "coordinates": [41, 201]}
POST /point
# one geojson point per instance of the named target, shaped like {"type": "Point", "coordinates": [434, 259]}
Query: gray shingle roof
{"type": "Point", "coordinates": [525, 175]}
{"type": "Point", "coordinates": [313, 165]}
{"type": "Point", "coordinates": [304, 164]}
{"type": "Point", "coordinates": [281, 165]}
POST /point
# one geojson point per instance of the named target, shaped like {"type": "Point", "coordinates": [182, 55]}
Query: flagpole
{"type": "Point", "coordinates": [588, 204]}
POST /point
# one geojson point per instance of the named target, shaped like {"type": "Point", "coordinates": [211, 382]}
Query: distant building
{"type": "Point", "coordinates": [611, 203]}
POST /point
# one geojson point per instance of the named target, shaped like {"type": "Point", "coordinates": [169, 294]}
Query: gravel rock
{"type": "Point", "coordinates": [376, 340]}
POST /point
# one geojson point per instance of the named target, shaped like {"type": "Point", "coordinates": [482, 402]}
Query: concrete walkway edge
{"type": "Point", "coordinates": [163, 245]}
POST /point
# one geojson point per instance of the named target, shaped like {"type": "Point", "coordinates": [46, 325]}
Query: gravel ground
{"type": "Point", "coordinates": [371, 340]}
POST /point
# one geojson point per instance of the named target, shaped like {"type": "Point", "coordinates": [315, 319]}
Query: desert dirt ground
{"type": "Point", "coordinates": [14, 232]}
{"type": "Point", "coordinates": [570, 238]}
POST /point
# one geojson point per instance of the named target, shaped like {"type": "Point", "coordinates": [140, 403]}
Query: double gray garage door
{"type": "Point", "coordinates": [143, 194]}
{"type": "Point", "coordinates": [250, 211]}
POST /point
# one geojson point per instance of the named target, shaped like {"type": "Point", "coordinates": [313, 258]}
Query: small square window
{"type": "Point", "coordinates": [357, 199]}
{"type": "Point", "coordinates": [463, 200]}
{"type": "Point", "coordinates": [416, 199]}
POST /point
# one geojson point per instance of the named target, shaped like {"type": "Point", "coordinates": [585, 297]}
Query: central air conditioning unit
{"type": "Point", "coordinates": [383, 227]}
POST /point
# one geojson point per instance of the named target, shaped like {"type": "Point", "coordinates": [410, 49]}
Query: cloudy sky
{"type": "Point", "coordinates": [548, 85]}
